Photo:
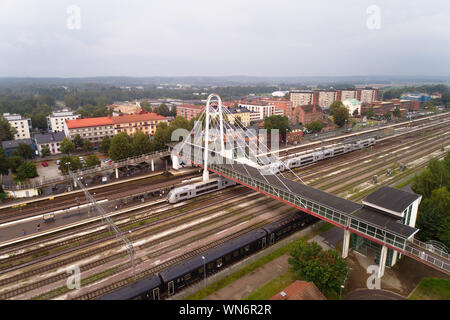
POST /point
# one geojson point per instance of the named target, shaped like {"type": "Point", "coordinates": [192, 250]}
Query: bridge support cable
{"type": "Point", "coordinates": [109, 222]}
{"type": "Point", "coordinates": [240, 126]}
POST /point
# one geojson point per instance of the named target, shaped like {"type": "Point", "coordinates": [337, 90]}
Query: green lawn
{"type": "Point", "coordinates": [255, 265]}
{"type": "Point", "coordinates": [432, 289]}
{"type": "Point", "coordinates": [272, 287]}
{"type": "Point", "coordinates": [239, 274]}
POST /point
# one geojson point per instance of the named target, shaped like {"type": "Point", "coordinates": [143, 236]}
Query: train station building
{"type": "Point", "coordinates": [393, 209]}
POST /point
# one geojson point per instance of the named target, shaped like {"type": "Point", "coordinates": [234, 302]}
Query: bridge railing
{"type": "Point", "coordinates": [431, 248]}
{"type": "Point", "coordinates": [423, 255]}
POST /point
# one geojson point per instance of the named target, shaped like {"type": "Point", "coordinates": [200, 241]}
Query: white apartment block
{"type": "Point", "coordinates": [368, 95]}
{"type": "Point", "coordinates": [302, 98]}
{"type": "Point", "coordinates": [348, 94]}
{"type": "Point", "coordinates": [22, 126]}
{"type": "Point", "coordinates": [259, 112]}
{"type": "Point", "coordinates": [56, 120]}
{"type": "Point", "coordinates": [326, 98]}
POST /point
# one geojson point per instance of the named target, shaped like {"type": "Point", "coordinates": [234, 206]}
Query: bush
{"type": "Point", "coordinates": [27, 170]}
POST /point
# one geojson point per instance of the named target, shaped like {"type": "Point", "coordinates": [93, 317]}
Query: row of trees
{"type": "Point", "coordinates": [433, 184]}
{"type": "Point", "coordinates": [74, 163]}
{"type": "Point", "coordinates": [123, 146]}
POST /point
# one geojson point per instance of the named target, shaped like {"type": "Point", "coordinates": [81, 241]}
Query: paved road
{"type": "Point", "coordinates": [366, 294]}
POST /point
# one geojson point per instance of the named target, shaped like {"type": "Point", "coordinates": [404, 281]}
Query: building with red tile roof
{"type": "Point", "coordinates": [300, 290]}
{"type": "Point", "coordinates": [95, 129]}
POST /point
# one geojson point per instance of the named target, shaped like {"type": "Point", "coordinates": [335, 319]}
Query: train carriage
{"type": "Point", "coordinates": [282, 228]}
{"type": "Point", "coordinates": [145, 289]}
{"type": "Point", "coordinates": [177, 277]}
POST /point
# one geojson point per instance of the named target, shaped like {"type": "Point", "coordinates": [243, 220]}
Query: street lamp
{"type": "Point", "coordinates": [204, 270]}
{"type": "Point", "coordinates": [340, 292]}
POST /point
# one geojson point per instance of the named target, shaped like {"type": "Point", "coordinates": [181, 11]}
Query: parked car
{"type": "Point", "coordinates": [44, 164]}
{"type": "Point", "coordinates": [107, 160]}
{"type": "Point", "coordinates": [58, 162]}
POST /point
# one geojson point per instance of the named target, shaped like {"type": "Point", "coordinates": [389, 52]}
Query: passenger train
{"type": "Point", "coordinates": [198, 189]}
{"type": "Point", "coordinates": [175, 278]}
{"type": "Point", "coordinates": [317, 155]}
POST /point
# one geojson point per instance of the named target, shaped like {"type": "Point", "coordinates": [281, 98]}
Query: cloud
{"type": "Point", "coordinates": [199, 37]}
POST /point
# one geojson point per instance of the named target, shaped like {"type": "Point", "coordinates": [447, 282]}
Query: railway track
{"type": "Point", "coordinates": [81, 297]}
{"type": "Point", "coordinates": [108, 193]}
{"type": "Point", "coordinates": [25, 288]}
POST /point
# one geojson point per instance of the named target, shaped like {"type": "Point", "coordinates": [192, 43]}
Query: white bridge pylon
{"type": "Point", "coordinates": [243, 145]}
{"type": "Point", "coordinates": [207, 124]}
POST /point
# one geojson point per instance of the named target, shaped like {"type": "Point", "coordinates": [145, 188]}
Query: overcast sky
{"type": "Point", "coordinates": [228, 37]}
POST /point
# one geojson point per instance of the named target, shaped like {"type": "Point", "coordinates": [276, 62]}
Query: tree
{"type": "Point", "coordinates": [25, 171]}
{"type": "Point", "coordinates": [163, 110]}
{"type": "Point", "coordinates": [105, 144]}
{"type": "Point", "coordinates": [387, 115]}
{"type": "Point", "coordinates": [341, 116]}
{"type": "Point", "coordinates": [121, 147]}
{"type": "Point", "coordinates": [6, 131]}
{"type": "Point", "coordinates": [314, 126]}
{"type": "Point", "coordinates": [145, 105]}
{"type": "Point", "coordinates": [4, 163]}
{"type": "Point", "coordinates": [397, 113]}
{"type": "Point", "coordinates": [24, 150]}
{"type": "Point", "coordinates": [433, 219]}
{"type": "Point", "coordinates": [325, 268]}
{"type": "Point", "coordinates": [70, 101]}
{"type": "Point", "coordinates": [162, 136]}
{"type": "Point", "coordinates": [67, 146]}
{"type": "Point", "coordinates": [355, 113]}
{"type": "Point", "coordinates": [277, 122]}
{"type": "Point", "coordinates": [335, 106]}
{"type": "Point", "coordinates": [435, 176]}
{"type": "Point", "coordinates": [141, 143]}
{"type": "Point", "coordinates": [369, 113]}
{"type": "Point", "coordinates": [92, 161]}
{"type": "Point", "coordinates": [78, 141]}
{"type": "Point", "coordinates": [73, 163]}
{"type": "Point", "coordinates": [87, 145]}
{"type": "Point", "coordinates": [15, 162]}
{"type": "Point", "coordinates": [45, 152]}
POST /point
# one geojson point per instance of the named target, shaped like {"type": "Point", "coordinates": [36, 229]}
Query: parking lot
{"type": "Point", "coordinates": [52, 171]}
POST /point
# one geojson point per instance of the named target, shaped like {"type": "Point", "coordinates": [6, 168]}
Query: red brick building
{"type": "Point", "coordinates": [307, 114]}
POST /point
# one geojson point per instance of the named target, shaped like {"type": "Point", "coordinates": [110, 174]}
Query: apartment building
{"type": "Point", "coordinates": [259, 112]}
{"type": "Point", "coordinates": [189, 111]}
{"type": "Point", "coordinates": [50, 140]}
{"type": "Point", "coordinates": [282, 104]}
{"type": "Point", "coordinates": [95, 129]}
{"type": "Point", "coordinates": [145, 122]}
{"type": "Point", "coordinates": [56, 120]}
{"type": "Point", "coordinates": [92, 129]}
{"type": "Point", "coordinates": [326, 98]}
{"type": "Point", "coordinates": [22, 125]}
{"type": "Point", "coordinates": [346, 94]}
{"type": "Point", "coordinates": [302, 97]}
{"type": "Point", "coordinates": [367, 95]}
{"type": "Point", "coordinates": [242, 113]}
